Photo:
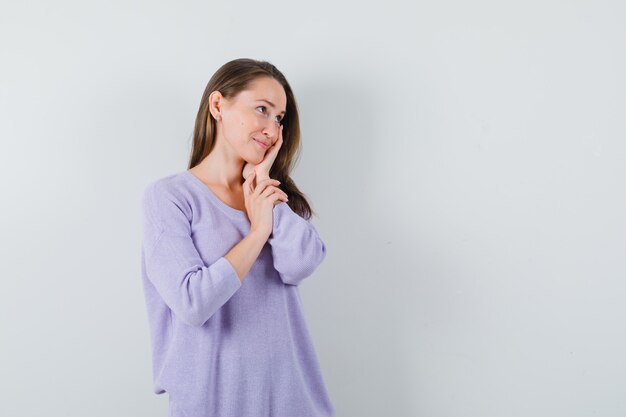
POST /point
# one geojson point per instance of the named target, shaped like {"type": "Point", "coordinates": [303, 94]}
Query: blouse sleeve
{"type": "Point", "coordinates": [297, 249]}
{"type": "Point", "coordinates": [192, 290]}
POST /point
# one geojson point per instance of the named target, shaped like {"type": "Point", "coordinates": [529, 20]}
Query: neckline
{"type": "Point", "coordinates": [231, 211]}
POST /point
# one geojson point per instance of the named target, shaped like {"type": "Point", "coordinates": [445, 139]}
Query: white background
{"type": "Point", "coordinates": [467, 161]}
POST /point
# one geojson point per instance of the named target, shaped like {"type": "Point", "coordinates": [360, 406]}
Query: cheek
{"type": "Point", "coordinates": [241, 126]}
{"type": "Point", "coordinates": [240, 130]}
{"type": "Point", "coordinates": [236, 130]}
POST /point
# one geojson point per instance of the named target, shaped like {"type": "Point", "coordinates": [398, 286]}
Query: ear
{"type": "Point", "coordinates": [216, 103]}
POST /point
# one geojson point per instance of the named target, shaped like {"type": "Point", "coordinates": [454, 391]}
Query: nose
{"type": "Point", "coordinates": [271, 130]}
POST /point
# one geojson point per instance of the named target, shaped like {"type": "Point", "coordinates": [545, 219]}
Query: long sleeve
{"type": "Point", "coordinates": [192, 290]}
{"type": "Point", "coordinates": [297, 249]}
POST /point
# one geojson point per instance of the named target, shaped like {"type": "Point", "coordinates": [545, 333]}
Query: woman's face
{"type": "Point", "coordinates": [251, 120]}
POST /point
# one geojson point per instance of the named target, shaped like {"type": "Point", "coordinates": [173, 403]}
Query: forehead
{"type": "Point", "coordinates": [266, 88]}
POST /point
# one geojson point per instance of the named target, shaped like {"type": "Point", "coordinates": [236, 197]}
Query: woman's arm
{"type": "Point", "coordinates": [245, 253]}
{"type": "Point", "coordinates": [192, 290]}
{"type": "Point", "coordinates": [297, 249]}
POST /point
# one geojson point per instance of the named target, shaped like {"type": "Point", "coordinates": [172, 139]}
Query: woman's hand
{"type": "Point", "coordinates": [262, 169]}
{"type": "Point", "coordinates": [260, 202]}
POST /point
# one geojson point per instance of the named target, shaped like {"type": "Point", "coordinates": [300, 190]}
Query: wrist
{"type": "Point", "coordinates": [258, 234]}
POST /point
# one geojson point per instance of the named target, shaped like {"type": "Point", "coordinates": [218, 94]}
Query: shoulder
{"type": "Point", "coordinates": [172, 185]}
{"type": "Point", "coordinates": [167, 192]}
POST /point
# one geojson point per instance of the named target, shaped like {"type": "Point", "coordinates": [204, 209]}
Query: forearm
{"type": "Point", "coordinates": [244, 253]}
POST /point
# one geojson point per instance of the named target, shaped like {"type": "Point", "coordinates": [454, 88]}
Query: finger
{"type": "Point", "coordinates": [269, 190]}
{"type": "Point", "coordinates": [284, 193]}
{"type": "Point", "coordinates": [246, 173]}
{"type": "Point", "coordinates": [279, 140]}
{"type": "Point", "coordinates": [247, 184]}
{"type": "Point", "coordinates": [277, 144]}
{"type": "Point", "coordinates": [281, 191]}
{"type": "Point", "coordinates": [277, 198]}
{"type": "Point", "coordinates": [246, 170]}
{"type": "Point", "coordinates": [264, 183]}
{"type": "Point", "coordinates": [275, 190]}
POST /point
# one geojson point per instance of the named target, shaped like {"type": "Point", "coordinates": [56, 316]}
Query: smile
{"type": "Point", "coordinates": [261, 144]}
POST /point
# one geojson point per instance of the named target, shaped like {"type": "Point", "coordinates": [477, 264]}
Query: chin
{"type": "Point", "coordinates": [254, 160]}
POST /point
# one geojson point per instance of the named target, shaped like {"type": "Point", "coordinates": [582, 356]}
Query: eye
{"type": "Point", "coordinates": [278, 120]}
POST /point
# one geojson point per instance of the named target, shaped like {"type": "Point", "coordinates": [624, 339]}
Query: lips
{"type": "Point", "coordinates": [262, 143]}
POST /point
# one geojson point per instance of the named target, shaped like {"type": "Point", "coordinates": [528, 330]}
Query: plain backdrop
{"type": "Point", "coordinates": [467, 162]}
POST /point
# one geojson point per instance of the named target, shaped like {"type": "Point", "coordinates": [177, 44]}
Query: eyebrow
{"type": "Point", "coordinates": [270, 103]}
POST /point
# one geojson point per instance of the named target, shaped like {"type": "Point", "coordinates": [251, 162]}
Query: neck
{"type": "Point", "coordinates": [222, 167]}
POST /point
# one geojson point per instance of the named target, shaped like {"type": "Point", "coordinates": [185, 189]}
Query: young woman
{"type": "Point", "coordinates": [225, 245]}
